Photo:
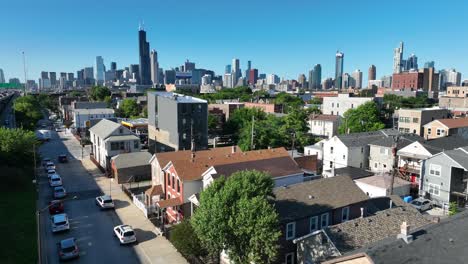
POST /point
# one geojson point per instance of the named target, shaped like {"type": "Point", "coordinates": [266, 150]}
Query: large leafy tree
{"type": "Point", "coordinates": [99, 93]}
{"type": "Point", "coordinates": [235, 215]}
{"type": "Point", "coordinates": [361, 119]}
{"type": "Point", "coordinates": [27, 111]}
{"type": "Point", "coordinates": [128, 108]}
{"type": "Point", "coordinates": [186, 241]}
{"type": "Point", "coordinates": [16, 146]}
{"type": "Point", "coordinates": [288, 101]}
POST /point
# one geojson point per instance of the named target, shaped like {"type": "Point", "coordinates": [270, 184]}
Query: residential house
{"type": "Point", "coordinates": [445, 177]}
{"type": "Point", "coordinates": [309, 164]}
{"type": "Point", "coordinates": [176, 122]}
{"type": "Point", "coordinates": [343, 102]}
{"type": "Point", "coordinates": [343, 240]}
{"type": "Point", "coordinates": [382, 185]}
{"type": "Point", "coordinates": [446, 127]}
{"type": "Point", "coordinates": [131, 167]}
{"type": "Point", "coordinates": [110, 139]}
{"type": "Point", "coordinates": [83, 116]}
{"type": "Point", "coordinates": [382, 152]}
{"type": "Point", "coordinates": [65, 105]}
{"type": "Point", "coordinates": [306, 207]}
{"type": "Point", "coordinates": [413, 120]}
{"type": "Point", "coordinates": [184, 174]}
{"type": "Point", "coordinates": [323, 125]}
{"type": "Point", "coordinates": [351, 149]}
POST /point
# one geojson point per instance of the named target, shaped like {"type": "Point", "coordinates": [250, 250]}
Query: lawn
{"type": "Point", "coordinates": [18, 224]}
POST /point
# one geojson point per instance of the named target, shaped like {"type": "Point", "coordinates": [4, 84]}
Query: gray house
{"type": "Point", "coordinates": [445, 175]}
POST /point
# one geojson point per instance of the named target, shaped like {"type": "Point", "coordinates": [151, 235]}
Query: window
{"type": "Point", "coordinates": [362, 150]}
{"type": "Point", "coordinates": [337, 112]}
{"type": "Point", "coordinates": [289, 258]}
{"type": "Point", "coordinates": [345, 214]}
{"type": "Point", "coordinates": [333, 104]}
{"type": "Point", "coordinates": [136, 144]}
{"type": "Point", "coordinates": [178, 186]}
{"type": "Point", "coordinates": [313, 223]}
{"type": "Point", "coordinates": [173, 182]}
{"type": "Point", "coordinates": [434, 189]}
{"type": "Point", "coordinates": [375, 165]}
{"type": "Point", "coordinates": [120, 130]}
{"type": "Point", "coordinates": [415, 120]}
{"type": "Point", "coordinates": [331, 150]}
{"type": "Point", "coordinates": [440, 132]}
{"type": "Point", "coordinates": [337, 105]}
{"type": "Point", "coordinates": [352, 105]}
{"type": "Point", "coordinates": [429, 131]}
{"type": "Point", "coordinates": [168, 179]}
{"type": "Point", "coordinates": [121, 145]}
{"type": "Point", "coordinates": [404, 119]}
{"type": "Point", "coordinates": [435, 170]}
{"type": "Point", "coordinates": [331, 164]}
{"type": "Point", "coordinates": [290, 230]}
{"type": "Point", "coordinates": [344, 156]}
{"type": "Point", "coordinates": [114, 145]}
{"type": "Point", "coordinates": [384, 151]}
{"type": "Point", "coordinates": [324, 220]}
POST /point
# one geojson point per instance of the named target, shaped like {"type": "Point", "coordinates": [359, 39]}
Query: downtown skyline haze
{"type": "Point", "coordinates": [283, 39]}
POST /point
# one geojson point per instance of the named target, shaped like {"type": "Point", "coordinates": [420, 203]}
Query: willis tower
{"type": "Point", "coordinates": [145, 69]}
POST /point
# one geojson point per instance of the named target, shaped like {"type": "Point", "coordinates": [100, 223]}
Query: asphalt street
{"type": "Point", "coordinates": [7, 117]}
{"type": "Point", "coordinates": [92, 227]}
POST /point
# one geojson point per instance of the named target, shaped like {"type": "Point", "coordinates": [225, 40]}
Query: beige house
{"type": "Point", "coordinates": [446, 127]}
{"type": "Point", "coordinates": [413, 120]}
{"type": "Point", "coordinates": [324, 125]}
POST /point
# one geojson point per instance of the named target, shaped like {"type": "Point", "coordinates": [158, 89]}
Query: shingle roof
{"type": "Point", "coordinates": [365, 138]}
{"type": "Point", "coordinates": [314, 197]}
{"type": "Point", "coordinates": [383, 181]}
{"type": "Point", "coordinates": [438, 243]}
{"type": "Point", "coordinates": [360, 232]}
{"type": "Point", "coordinates": [104, 128]}
{"type": "Point", "coordinates": [133, 159]}
{"type": "Point", "coordinates": [330, 118]}
{"type": "Point", "coordinates": [445, 143]}
{"type": "Point", "coordinates": [458, 156]}
{"type": "Point", "coordinates": [403, 141]}
{"type": "Point", "coordinates": [454, 122]}
{"type": "Point", "coordinates": [308, 163]}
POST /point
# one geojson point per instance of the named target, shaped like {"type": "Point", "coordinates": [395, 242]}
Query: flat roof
{"type": "Point", "coordinates": [180, 98]}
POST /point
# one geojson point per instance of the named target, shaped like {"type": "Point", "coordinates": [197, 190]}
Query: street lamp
{"type": "Point", "coordinates": [38, 213]}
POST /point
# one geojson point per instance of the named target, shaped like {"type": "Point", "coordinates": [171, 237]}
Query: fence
{"type": "Point", "coordinates": [139, 201]}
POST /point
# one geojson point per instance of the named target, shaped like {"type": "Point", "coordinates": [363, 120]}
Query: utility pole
{"type": "Point", "coordinates": [25, 75]}
{"type": "Point", "coordinates": [293, 141]}
{"type": "Point", "coordinates": [395, 163]}
{"type": "Point", "coordinates": [252, 134]}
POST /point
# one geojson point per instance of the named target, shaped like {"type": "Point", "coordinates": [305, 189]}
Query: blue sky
{"type": "Point", "coordinates": [282, 37]}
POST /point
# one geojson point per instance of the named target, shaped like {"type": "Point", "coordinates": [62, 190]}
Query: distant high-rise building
{"type": "Point", "coordinates": [206, 79]}
{"type": "Point", "coordinates": [311, 79]}
{"type": "Point", "coordinates": [63, 74]}
{"type": "Point", "coordinates": [357, 76]}
{"type": "Point", "coordinates": [431, 81]}
{"type": "Point", "coordinates": [372, 73]}
{"type": "Point", "coordinates": [170, 76]}
{"type": "Point", "coordinates": [429, 64]}
{"type": "Point", "coordinates": [398, 59]}
{"type": "Point", "coordinates": [154, 67]}
{"type": "Point", "coordinates": [189, 66]}
{"type": "Point", "coordinates": [411, 63]}
{"type": "Point", "coordinates": [272, 79]}
{"type": "Point", "coordinates": [262, 76]}
{"type": "Point", "coordinates": [327, 83]}
{"type": "Point", "coordinates": [53, 79]}
{"type": "Point", "coordinates": [80, 75]}
{"type": "Point", "coordinates": [253, 76]}
{"type": "Point", "coordinates": [44, 75]}
{"type": "Point", "coordinates": [14, 81]}
{"type": "Point", "coordinates": [88, 75]}
{"type": "Point", "coordinates": [134, 70]}
{"type": "Point", "coordinates": [347, 81]}
{"type": "Point", "coordinates": [247, 72]}
{"type": "Point", "coordinates": [235, 70]}
{"type": "Point", "coordinates": [302, 80]}
{"type": "Point", "coordinates": [99, 70]}
{"type": "Point", "coordinates": [113, 66]}
{"type": "Point", "coordinates": [449, 78]}
{"type": "Point", "coordinates": [228, 68]}
{"type": "Point", "coordinates": [2, 76]}
{"type": "Point", "coordinates": [386, 81]}
{"type": "Point", "coordinates": [145, 68]}
{"type": "Point", "coordinates": [70, 77]}
{"type": "Point", "coordinates": [227, 80]}
{"type": "Point", "coordinates": [339, 69]}
{"type": "Point", "coordinates": [316, 77]}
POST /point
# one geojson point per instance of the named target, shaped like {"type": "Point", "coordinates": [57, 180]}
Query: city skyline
{"type": "Point", "coordinates": [283, 56]}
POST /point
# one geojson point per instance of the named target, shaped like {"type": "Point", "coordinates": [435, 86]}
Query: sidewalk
{"type": "Point", "coordinates": [152, 247]}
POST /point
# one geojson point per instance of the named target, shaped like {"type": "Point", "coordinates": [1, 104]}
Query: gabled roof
{"type": "Point", "coordinates": [133, 159]}
{"type": "Point", "coordinates": [364, 138]}
{"type": "Point", "coordinates": [445, 143]}
{"type": "Point", "coordinates": [315, 197]}
{"type": "Point", "coordinates": [105, 128]}
{"type": "Point", "coordinates": [403, 141]}
{"type": "Point", "coordinates": [459, 156]}
{"type": "Point", "coordinates": [451, 122]}
{"type": "Point", "coordinates": [331, 118]}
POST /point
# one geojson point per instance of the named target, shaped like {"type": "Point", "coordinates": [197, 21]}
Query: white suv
{"type": "Point", "coordinates": [60, 223]}
{"type": "Point", "coordinates": [105, 202]}
{"type": "Point", "coordinates": [55, 180]}
{"type": "Point", "coordinates": [125, 234]}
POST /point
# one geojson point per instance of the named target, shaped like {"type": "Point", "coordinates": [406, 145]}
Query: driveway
{"type": "Point", "coordinates": [89, 225]}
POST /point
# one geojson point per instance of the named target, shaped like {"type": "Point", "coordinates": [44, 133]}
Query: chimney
{"type": "Point", "coordinates": [234, 149]}
{"type": "Point", "coordinates": [405, 233]}
{"type": "Point", "coordinates": [391, 203]}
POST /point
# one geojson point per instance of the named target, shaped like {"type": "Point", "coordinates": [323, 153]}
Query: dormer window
{"type": "Point", "coordinates": [121, 130]}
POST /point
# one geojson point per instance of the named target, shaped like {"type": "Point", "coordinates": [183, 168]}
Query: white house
{"type": "Point", "coordinates": [380, 185]}
{"type": "Point", "coordinates": [323, 125]}
{"type": "Point", "coordinates": [82, 116]}
{"type": "Point", "coordinates": [109, 139]}
{"type": "Point", "coordinates": [342, 103]}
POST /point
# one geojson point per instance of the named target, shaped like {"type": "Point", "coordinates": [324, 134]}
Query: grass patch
{"type": "Point", "coordinates": [17, 211]}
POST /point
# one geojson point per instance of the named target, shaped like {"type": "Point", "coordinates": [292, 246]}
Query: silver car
{"type": "Point", "coordinates": [60, 223]}
{"type": "Point", "coordinates": [421, 204]}
{"type": "Point", "coordinates": [68, 249]}
{"type": "Point", "coordinates": [59, 192]}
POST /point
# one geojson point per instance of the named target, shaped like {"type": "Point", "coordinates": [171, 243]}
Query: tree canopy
{"type": "Point", "coordinates": [28, 109]}
{"type": "Point", "coordinates": [361, 119]}
{"type": "Point", "coordinates": [128, 108]}
{"type": "Point", "coordinates": [391, 102]}
{"type": "Point", "coordinates": [288, 101]}
{"type": "Point", "coordinates": [99, 93]}
{"type": "Point", "coordinates": [235, 215]}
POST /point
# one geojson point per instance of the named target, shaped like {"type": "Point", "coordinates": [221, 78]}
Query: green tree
{"type": "Point", "coordinates": [453, 208]}
{"type": "Point", "coordinates": [128, 108]}
{"type": "Point", "coordinates": [361, 119]}
{"type": "Point", "coordinates": [235, 215]}
{"type": "Point", "coordinates": [288, 101]}
{"type": "Point", "coordinates": [99, 93]}
{"type": "Point", "coordinates": [212, 122]}
{"type": "Point", "coordinates": [17, 145]}
{"type": "Point", "coordinates": [27, 111]}
{"type": "Point", "coordinates": [266, 133]}
{"type": "Point", "coordinates": [186, 241]}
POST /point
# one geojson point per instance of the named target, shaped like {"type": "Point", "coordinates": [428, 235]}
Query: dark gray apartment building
{"type": "Point", "coordinates": [174, 119]}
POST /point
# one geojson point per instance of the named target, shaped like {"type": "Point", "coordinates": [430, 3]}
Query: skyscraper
{"type": "Point", "coordinates": [99, 70]}
{"type": "Point", "coordinates": [145, 68]}
{"type": "Point", "coordinates": [247, 72]}
{"type": "Point", "coordinates": [253, 76]}
{"type": "Point", "coordinates": [311, 79]}
{"type": "Point", "coordinates": [189, 66]}
{"type": "Point", "coordinates": [113, 66]}
{"type": "Point", "coordinates": [70, 77]}
{"type": "Point", "coordinates": [412, 63]}
{"type": "Point", "coordinates": [317, 77]}
{"type": "Point", "coordinates": [372, 73]}
{"type": "Point", "coordinates": [301, 79]}
{"type": "Point", "coordinates": [88, 75]}
{"type": "Point", "coordinates": [44, 75]}
{"type": "Point", "coordinates": [53, 78]}
{"type": "Point", "coordinates": [228, 68]}
{"type": "Point", "coordinates": [154, 67]}
{"type": "Point", "coordinates": [429, 64]}
{"type": "Point", "coordinates": [339, 69]}
{"type": "Point", "coordinates": [134, 71]}
{"type": "Point", "coordinates": [398, 59]}
{"type": "Point", "coordinates": [235, 71]}
{"type": "Point", "coordinates": [357, 76]}
{"type": "Point", "coordinates": [2, 76]}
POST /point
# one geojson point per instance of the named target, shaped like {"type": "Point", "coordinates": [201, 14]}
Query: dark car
{"type": "Point", "coordinates": [56, 207]}
{"type": "Point", "coordinates": [68, 249]}
{"type": "Point", "coordinates": [62, 158]}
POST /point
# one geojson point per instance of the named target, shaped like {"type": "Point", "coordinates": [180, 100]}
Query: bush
{"type": "Point", "coordinates": [453, 208]}
{"type": "Point", "coordinates": [186, 241]}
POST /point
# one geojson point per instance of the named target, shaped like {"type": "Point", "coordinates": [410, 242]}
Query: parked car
{"type": "Point", "coordinates": [62, 158]}
{"type": "Point", "coordinates": [45, 161]}
{"type": "Point", "coordinates": [59, 192]}
{"type": "Point", "coordinates": [68, 249]}
{"type": "Point", "coordinates": [49, 166]}
{"type": "Point", "coordinates": [105, 202]}
{"type": "Point", "coordinates": [56, 207]}
{"type": "Point", "coordinates": [421, 204]}
{"type": "Point", "coordinates": [50, 173]}
{"type": "Point", "coordinates": [125, 234]}
{"type": "Point", "coordinates": [55, 180]}
{"type": "Point", "coordinates": [60, 223]}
